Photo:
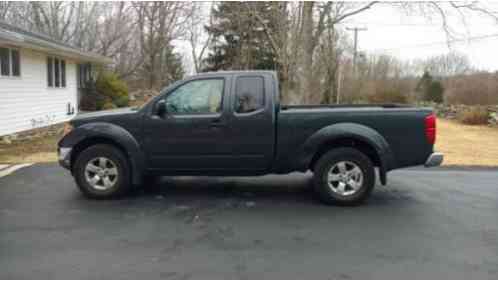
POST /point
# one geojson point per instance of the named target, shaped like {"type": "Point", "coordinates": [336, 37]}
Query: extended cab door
{"type": "Point", "coordinates": [192, 134]}
{"type": "Point", "coordinates": [252, 121]}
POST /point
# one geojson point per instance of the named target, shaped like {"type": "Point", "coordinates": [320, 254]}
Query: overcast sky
{"type": "Point", "coordinates": [392, 31]}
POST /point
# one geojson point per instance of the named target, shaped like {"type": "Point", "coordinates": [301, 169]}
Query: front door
{"type": "Point", "coordinates": [191, 135]}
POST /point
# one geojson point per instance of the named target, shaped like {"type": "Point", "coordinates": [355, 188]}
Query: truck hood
{"type": "Point", "coordinates": [104, 114]}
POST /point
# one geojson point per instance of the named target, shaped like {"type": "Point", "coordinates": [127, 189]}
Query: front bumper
{"type": "Point", "coordinates": [435, 159]}
{"type": "Point", "coordinates": [64, 154]}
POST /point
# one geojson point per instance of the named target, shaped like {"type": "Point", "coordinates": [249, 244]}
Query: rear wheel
{"type": "Point", "coordinates": [102, 171]}
{"type": "Point", "coordinates": [344, 176]}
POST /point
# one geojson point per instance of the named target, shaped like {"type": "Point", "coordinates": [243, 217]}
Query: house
{"type": "Point", "coordinates": [41, 80]}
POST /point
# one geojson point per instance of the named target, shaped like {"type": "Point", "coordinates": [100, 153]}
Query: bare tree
{"type": "Point", "coordinates": [159, 23]}
{"type": "Point", "coordinates": [4, 9]}
{"type": "Point", "coordinates": [195, 31]}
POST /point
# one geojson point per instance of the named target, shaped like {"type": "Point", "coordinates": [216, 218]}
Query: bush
{"type": "Point", "coordinates": [108, 105]}
{"type": "Point", "coordinates": [474, 116]}
{"type": "Point", "coordinates": [113, 90]}
{"type": "Point", "coordinates": [388, 96]}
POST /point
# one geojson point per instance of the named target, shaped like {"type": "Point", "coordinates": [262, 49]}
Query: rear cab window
{"type": "Point", "coordinates": [249, 94]}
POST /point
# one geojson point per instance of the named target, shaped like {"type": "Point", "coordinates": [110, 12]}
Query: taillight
{"type": "Point", "coordinates": [430, 128]}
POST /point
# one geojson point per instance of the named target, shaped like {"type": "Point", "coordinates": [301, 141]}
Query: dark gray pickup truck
{"type": "Point", "coordinates": [232, 124]}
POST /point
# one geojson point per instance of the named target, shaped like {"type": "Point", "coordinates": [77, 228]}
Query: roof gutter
{"type": "Point", "coordinates": [13, 38]}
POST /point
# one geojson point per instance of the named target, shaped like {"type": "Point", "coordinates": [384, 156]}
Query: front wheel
{"type": "Point", "coordinates": [344, 176]}
{"type": "Point", "coordinates": [101, 172]}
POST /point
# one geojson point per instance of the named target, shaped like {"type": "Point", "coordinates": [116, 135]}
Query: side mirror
{"type": "Point", "coordinates": [160, 108]}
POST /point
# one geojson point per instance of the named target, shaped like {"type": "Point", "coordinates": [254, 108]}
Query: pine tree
{"type": "Point", "coordinates": [238, 41]}
{"type": "Point", "coordinates": [431, 89]}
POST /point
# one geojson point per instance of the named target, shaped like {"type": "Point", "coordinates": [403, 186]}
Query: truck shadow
{"type": "Point", "coordinates": [295, 188]}
{"type": "Point", "coordinates": [267, 188]}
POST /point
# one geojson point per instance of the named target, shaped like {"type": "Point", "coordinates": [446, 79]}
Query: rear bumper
{"type": "Point", "coordinates": [435, 159]}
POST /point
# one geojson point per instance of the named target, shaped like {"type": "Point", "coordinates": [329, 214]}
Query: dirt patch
{"type": "Point", "coordinates": [35, 150]}
{"type": "Point", "coordinates": [467, 145]}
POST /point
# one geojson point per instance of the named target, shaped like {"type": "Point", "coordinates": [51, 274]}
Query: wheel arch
{"type": "Point", "coordinates": [105, 133]}
{"type": "Point", "coordinates": [357, 136]}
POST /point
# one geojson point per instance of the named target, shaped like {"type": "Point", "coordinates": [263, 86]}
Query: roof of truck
{"type": "Point", "coordinates": [231, 72]}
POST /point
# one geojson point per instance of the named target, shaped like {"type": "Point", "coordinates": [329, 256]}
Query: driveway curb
{"type": "Point", "coordinates": [9, 169]}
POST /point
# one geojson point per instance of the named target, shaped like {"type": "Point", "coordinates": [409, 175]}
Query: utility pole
{"type": "Point", "coordinates": [339, 79]}
{"type": "Point", "coordinates": [355, 30]}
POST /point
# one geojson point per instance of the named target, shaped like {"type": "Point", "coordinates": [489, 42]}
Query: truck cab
{"type": "Point", "coordinates": [219, 122]}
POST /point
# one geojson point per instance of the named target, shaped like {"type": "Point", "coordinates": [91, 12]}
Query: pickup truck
{"type": "Point", "coordinates": [232, 124]}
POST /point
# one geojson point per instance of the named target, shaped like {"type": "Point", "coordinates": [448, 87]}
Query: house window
{"type": "Point", "coordinates": [56, 72]}
{"type": "Point", "coordinates": [84, 72]}
{"type": "Point", "coordinates": [10, 64]}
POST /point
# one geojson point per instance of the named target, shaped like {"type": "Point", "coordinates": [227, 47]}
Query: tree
{"type": "Point", "coordinates": [431, 89]}
{"type": "Point", "coordinates": [198, 40]}
{"type": "Point", "coordinates": [159, 23]}
{"type": "Point", "coordinates": [424, 82]}
{"type": "Point", "coordinates": [446, 65]}
{"type": "Point", "coordinates": [237, 42]}
{"type": "Point", "coordinates": [434, 92]}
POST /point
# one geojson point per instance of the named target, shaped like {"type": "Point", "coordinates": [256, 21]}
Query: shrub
{"type": "Point", "coordinates": [113, 90]}
{"type": "Point", "coordinates": [474, 116]}
{"type": "Point", "coordinates": [108, 105]}
{"type": "Point", "coordinates": [388, 96]}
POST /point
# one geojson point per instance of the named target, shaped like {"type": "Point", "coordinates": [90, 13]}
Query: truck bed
{"type": "Point", "coordinates": [401, 125]}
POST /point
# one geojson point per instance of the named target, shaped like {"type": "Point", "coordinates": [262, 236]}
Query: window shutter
{"type": "Point", "coordinates": [57, 73]}
{"type": "Point", "coordinates": [4, 62]}
{"type": "Point", "coordinates": [63, 73]}
{"type": "Point", "coordinates": [16, 63]}
{"type": "Point", "coordinates": [50, 72]}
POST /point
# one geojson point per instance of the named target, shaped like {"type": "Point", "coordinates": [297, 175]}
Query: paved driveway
{"type": "Point", "coordinates": [424, 224]}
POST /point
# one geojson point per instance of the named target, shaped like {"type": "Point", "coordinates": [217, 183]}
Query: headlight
{"type": "Point", "coordinates": [67, 128]}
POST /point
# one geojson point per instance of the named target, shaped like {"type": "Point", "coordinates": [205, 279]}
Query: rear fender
{"type": "Point", "coordinates": [115, 134]}
{"type": "Point", "coordinates": [353, 131]}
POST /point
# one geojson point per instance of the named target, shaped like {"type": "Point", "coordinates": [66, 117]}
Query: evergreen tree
{"type": "Point", "coordinates": [432, 90]}
{"type": "Point", "coordinates": [424, 82]}
{"type": "Point", "coordinates": [238, 41]}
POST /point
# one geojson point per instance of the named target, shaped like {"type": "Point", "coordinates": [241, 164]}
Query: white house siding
{"type": "Point", "coordinates": [26, 102]}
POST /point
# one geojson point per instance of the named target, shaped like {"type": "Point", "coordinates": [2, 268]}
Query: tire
{"type": "Point", "coordinates": [116, 170]}
{"type": "Point", "coordinates": [345, 188]}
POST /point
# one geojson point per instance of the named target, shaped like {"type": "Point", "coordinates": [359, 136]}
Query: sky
{"type": "Point", "coordinates": [413, 36]}
{"type": "Point", "coordinates": [392, 31]}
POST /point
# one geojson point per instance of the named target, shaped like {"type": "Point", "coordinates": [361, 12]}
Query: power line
{"type": "Point", "coordinates": [470, 39]}
{"type": "Point", "coordinates": [392, 24]}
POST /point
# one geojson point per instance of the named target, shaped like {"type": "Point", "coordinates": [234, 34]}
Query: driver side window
{"type": "Point", "coordinates": [196, 97]}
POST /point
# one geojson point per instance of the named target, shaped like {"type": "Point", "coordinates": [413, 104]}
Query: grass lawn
{"type": "Point", "coordinates": [467, 145]}
{"type": "Point", "coordinates": [43, 149]}
{"type": "Point", "coordinates": [461, 145]}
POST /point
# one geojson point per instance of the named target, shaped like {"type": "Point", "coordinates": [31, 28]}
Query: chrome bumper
{"type": "Point", "coordinates": [65, 157]}
{"type": "Point", "coordinates": [435, 159]}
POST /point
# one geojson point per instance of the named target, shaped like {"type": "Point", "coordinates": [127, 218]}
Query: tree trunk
{"type": "Point", "coordinates": [307, 56]}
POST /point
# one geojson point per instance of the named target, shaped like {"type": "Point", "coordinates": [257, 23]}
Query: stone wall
{"type": "Point", "coordinates": [53, 130]}
{"type": "Point", "coordinates": [448, 111]}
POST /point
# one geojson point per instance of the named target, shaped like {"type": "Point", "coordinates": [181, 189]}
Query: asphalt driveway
{"type": "Point", "coordinates": [424, 224]}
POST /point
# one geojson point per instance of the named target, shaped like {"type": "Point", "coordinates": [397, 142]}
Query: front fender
{"type": "Point", "coordinates": [113, 133]}
{"type": "Point", "coordinates": [339, 131]}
